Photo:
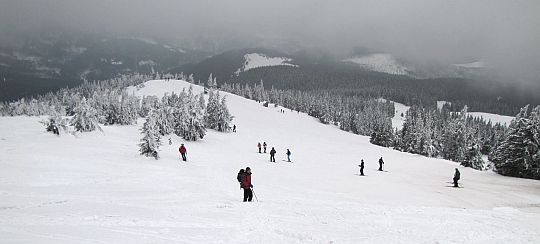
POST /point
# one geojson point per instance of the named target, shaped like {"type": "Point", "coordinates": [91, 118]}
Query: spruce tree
{"type": "Point", "coordinates": [151, 139]}
{"type": "Point", "coordinates": [85, 118]}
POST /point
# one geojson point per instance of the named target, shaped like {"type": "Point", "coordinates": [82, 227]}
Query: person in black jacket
{"type": "Point", "coordinates": [456, 177]}
{"type": "Point", "coordinates": [381, 162]}
{"type": "Point", "coordinates": [272, 153]}
{"type": "Point", "coordinates": [361, 165]}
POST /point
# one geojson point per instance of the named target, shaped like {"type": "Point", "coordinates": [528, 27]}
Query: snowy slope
{"type": "Point", "coordinates": [380, 62]}
{"type": "Point", "coordinates": [95, 188]}
{"type": "Point", "coordinates": [472, 65]}
{"type": "Point", "coordinates": [494, 118]}
{"type": "Point", "coordinates": [400, 109]}
{"type": "Point", "coordinates": [255, 60]}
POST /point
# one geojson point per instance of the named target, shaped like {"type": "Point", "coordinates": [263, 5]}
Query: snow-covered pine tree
{"type": "Point", "coordinates": [473, 156]}
{"type": "Point", "coordinates": [224, 117]}
{"type": "Point", "coordinates": [518, 155]}
{"type": "Point", "coordinates": [151, 140]}
{"type": "Point", "coordinates": [85, 118]}
{"type": "Point", "coordinates": [383, 133]}
{"type": "Point", "coordinates": [195, 123]}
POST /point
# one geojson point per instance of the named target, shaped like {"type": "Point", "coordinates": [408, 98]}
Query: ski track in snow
{"type": "Point", "coordinates": [95, 188]}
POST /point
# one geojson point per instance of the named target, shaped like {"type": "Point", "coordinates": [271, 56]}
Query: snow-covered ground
{"type": "Point", "coordinates": [380, 62]}
{"type": "Point", "coordinates": [400, 109]}
{"type": "Point", "coordinates": [494, 118]}
{"type": "Point", "coordinates": [472, 65]}
{"type": "Point", "coordinates": [96, 188]}
{"type": "Point", "coordinates": [256, 60]}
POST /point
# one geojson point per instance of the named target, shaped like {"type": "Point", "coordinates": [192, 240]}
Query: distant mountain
{"type": "Point", "coordinates": [39, 65]}
{"type": "Point", "coordinates": [232, 63]}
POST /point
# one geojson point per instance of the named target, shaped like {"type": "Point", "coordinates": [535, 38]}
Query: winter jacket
{"type": "Point", "coordinates": [246, 183]}
{"type": "Point", "coordinates": [182, 149]}
{"type": "Point", "coordinates": [288, 152]}
{"type": "Point", "coordinates": [457, 175]}
{"type": "Point", "coordinates": [259, 145]}
{"type": "Point", "coordinates": [272, 152]}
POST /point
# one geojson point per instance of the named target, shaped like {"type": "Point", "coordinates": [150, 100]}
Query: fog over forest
{"type": "Point", "coordinates": [504, 34]}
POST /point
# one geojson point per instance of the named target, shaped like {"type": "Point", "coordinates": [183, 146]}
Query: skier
{"type": "Point", "coordinates": [361, 165]}
{"type": "Point", "coordinates": [288, 155]}
{"type": "Point", "coordinates": [456, 177]}
{"type": "Point", "coordinates": [55, 130]}
{"type": "Point", "coordinates": [170, 141]}
{"type": "Point", "coordinates": [259, 146]}
{"type": "Point", "coordinates": [183, 152]}
{"type": "Point", "coordinates": [264, 145]}
{"type": "Point", "coordinates": [272, 153]}
{"type": "Point", "coordinates": [240, 177]}
{"type": "Point", "coordinates": [234, 128]}
{"type": "Point", "coordinates": [246, 185]}
{"type": "Point", "coordinates": [381, 162]}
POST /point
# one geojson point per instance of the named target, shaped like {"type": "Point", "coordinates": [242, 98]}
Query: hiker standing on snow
{"type": "Point", "coordinates": [234, 128]}
{"type": "Point", "coordinates": [183, 152]}
{"type": "Point", "coordinates": [259, 146]}
{"type": "Point", "coordinates": [361, 167]}
{"type": "Point", "coordinates": [288, 155]}
{"type": "Point", "coordinates": [272, 153]}
{"type": "Point", "coordinates": [246, 185]}
{"type": "Point", "coordinates": [456, 177]}
{"type": "Point", "coordinates": [381, 162]}
{"type": "Point", "coordinates": [264, 145]}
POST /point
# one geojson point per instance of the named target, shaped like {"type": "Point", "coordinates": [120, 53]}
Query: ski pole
{"type": "Point", "coordinates": [255, 195]}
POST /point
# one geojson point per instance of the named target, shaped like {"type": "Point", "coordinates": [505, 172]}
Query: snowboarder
{"type": "Point", "coordinates": [264, 145]}
{"type": "Point", "coordinates": [234, 128]}
{"type": "Point", "coordinates": [288, 155]}
{"type": "Point", "coordinates": [246, 185]}
{"type": "Point", "coordinates": [456, 177]}
{"type": "Point", "coordinates": [381, 162]}
{"type": "Point", "coordinates": [259, 146]}
{"type": "Point", "coordinates": [183, 152]}
{"type": "Point", "coordinates": [272, 153]}
{"type": "Point", "coordinates": [240, 177]}
{"type": "Point", "coordinates": [361, 165]}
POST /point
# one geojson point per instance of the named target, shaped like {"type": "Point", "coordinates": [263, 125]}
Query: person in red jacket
{"type": "Point", "coordinates": [246, 185]}
{"type": "Point", "coordinates": [183, 152]}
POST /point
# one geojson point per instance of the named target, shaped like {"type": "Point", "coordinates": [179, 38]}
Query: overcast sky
{"type": "Point", "coordinates": [505, 34]}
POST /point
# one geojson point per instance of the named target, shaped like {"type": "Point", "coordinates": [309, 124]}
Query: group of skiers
{"type": "Point", "coordinates": [361, 165]}
{"type": "Point", "coordinates": [457, 174]}
{"type": "Point", "coordinates": [272, 152]}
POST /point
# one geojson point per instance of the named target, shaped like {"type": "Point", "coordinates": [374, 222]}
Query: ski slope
{"type": "Point", "coordinates": [400, 109]}
{"type": "Point", "coordinates": [96, 188]}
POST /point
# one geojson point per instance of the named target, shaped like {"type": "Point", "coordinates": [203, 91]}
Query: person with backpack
{"type": "Point", "coordinates": [272, 153]}
{"type": "Point", "coordinates": [361, 165]}
{"type": "Point", "coordinates": [264, 145]}
{"type": "Point", "coordinates": [246, 185]}
{"type": "Point", "coordinates": [240, 177]}
{"type": "Point", "coordinates": [183, 152]}
{"type": "Point", "coordinates": [259, 146]}
{"type": "Point", "coordinates": [381, 162]}
{"type": "Point", "coordinates": [457, 176]}
{"type": "Point", "coordinates": [288, 155]}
